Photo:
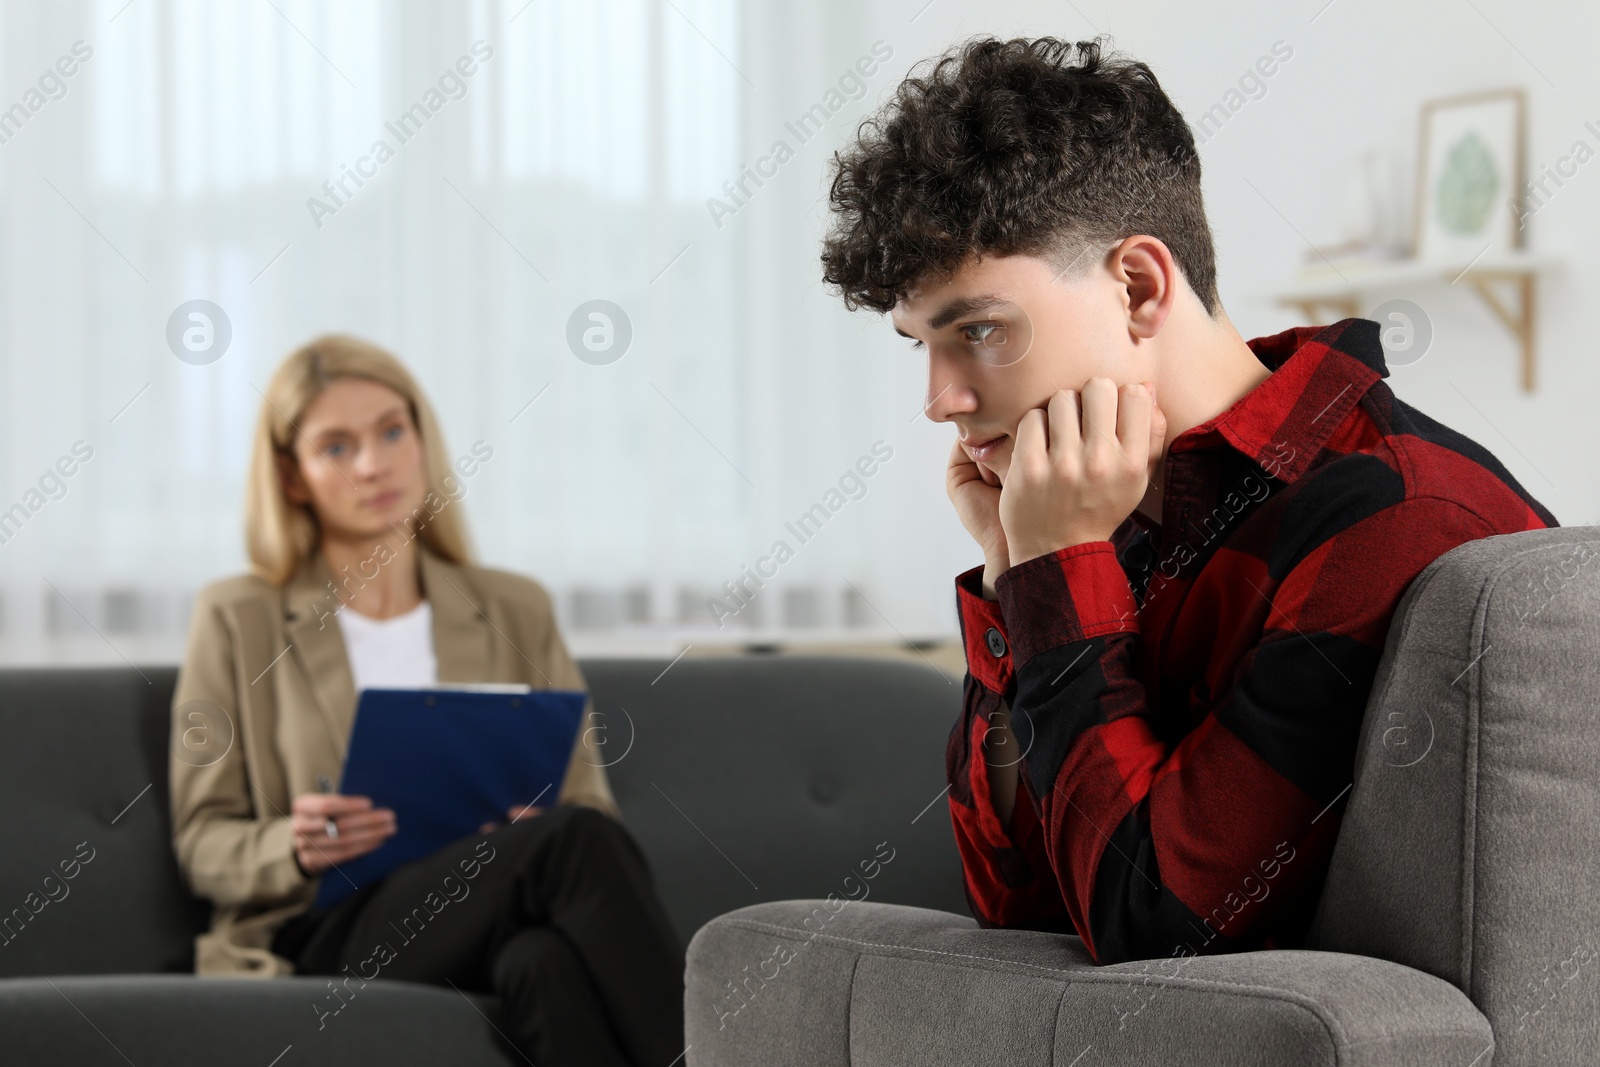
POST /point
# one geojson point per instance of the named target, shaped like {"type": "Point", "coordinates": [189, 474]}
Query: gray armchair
{"type": "Point", "coordinates": [1459, 923]}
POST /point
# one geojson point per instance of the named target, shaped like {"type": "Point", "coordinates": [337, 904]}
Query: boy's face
{"type": "Point", "coordinates": [1003, 334]}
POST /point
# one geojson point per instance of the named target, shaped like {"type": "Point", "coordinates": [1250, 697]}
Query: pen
{"type": "Point", "coordinates": [325, 784]}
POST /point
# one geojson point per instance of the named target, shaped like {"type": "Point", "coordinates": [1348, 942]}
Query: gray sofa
{"type": "Point", "coordinates": [1460, 923]}
{"type": "Point", "coordinates": [750, 779]}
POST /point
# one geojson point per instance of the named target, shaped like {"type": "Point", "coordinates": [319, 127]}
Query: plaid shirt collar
{"type": "Point", "coordinates": [1318, 374]}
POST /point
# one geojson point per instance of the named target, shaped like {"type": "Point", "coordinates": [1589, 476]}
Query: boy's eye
{"type": "Point", "coordinates": [984, 331]}
{"type": "Point", "coordinates": [1002, 339]}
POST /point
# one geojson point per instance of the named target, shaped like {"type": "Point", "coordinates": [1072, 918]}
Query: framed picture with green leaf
{"type": "Point", "coordinates": [1470, 176]}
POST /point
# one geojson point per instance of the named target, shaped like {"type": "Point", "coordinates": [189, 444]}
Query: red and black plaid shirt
{"type": "Point", "coordinates": [1187, 696]}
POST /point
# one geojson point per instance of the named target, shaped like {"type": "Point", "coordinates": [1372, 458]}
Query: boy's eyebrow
{"type": "Point", "coordinates": [959, 307]}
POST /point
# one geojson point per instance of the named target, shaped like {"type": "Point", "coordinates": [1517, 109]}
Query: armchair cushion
{"type": "Point", "coordinates": [834, 982]}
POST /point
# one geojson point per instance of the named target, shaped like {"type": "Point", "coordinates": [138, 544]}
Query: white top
{"type": "Point", "coordinates": [390, 653]}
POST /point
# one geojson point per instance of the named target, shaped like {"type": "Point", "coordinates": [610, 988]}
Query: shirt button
{"type": "Point", "coordinates": [997, 643]}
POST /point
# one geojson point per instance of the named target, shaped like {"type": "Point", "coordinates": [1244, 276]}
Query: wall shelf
{"type": "Point", "coordinates": [1507, 282]}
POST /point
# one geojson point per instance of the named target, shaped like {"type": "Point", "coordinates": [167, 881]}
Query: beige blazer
{"type": "Point", "coordinates": [264, 704]}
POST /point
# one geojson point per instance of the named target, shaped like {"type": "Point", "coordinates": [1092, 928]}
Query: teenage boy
{"type": "Point", "coordinates": [1193, 544]}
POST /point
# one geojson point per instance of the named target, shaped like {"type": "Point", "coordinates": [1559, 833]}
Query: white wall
{"type": "Point", "coordinates": [578, 165]}
{"type": "Point", "coordinates": [1356, 82]}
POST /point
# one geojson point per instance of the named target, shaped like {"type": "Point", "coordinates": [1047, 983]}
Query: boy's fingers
{"type": "Point", "coordinates": [1133, 422]}
{"type": "Point", "coordinates": [961, 469]}
{"type": "Point", "coordinates": [1031, 435]}
{"type": "Point", "coordinates": [1065, 434]}
{"type": "Point", "coordinates": [1101, 403]}
{"type": "Point", "coordinates": [1158, 427]}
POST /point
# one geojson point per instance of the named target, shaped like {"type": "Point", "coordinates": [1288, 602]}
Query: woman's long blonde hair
{"type": "Point", "coordinates": [280, 535]}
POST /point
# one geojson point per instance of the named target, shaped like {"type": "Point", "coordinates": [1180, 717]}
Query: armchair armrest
{"type": "Point", "coordinates": [833, 982]}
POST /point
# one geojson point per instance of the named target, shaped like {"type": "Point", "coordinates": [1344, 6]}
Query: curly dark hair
{"type": "Point", "coordinates": [1014, 147]}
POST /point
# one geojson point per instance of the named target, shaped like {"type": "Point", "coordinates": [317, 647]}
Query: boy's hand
{"type": "Point", "coordinates": [1069, 484]}
{"type": "Point", "coordinates": [978, 505]}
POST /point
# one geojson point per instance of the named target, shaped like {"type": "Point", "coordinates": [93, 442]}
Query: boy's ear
{"type": "Point", "coordinates": [1144, 265]}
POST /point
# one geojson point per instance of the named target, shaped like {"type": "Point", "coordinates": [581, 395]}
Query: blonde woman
{"type": "Point", "coordinates": [361, 577]}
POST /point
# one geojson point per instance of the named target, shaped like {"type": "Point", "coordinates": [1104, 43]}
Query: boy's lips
{"type": "Point", "coordinates": [981, 450]}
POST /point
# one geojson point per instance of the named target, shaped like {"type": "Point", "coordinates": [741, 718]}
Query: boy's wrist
{"type": "Point", "coordinates": [992, 569]}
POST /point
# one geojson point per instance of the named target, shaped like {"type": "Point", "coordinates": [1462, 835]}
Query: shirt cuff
{"type": "Point", "coordinates": [1068, 595]}
{"type": "Point", "coordinates": [983, 633]}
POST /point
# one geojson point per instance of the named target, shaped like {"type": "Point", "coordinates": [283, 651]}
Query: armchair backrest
{"type": "Point", "coordinates": [1470, 846]}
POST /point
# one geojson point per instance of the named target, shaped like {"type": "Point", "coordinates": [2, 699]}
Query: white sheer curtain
{"type": "Point", "coordinates": [187, 158]}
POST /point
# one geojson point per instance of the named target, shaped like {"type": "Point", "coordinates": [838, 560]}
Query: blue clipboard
{"type": "Point", "coordinates": [447, 761]}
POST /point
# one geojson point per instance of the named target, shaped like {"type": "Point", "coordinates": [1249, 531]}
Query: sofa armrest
{"type": "Point", "coordinates": [820, 983]}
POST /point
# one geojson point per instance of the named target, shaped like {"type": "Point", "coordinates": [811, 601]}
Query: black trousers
{"type": "Point", "coordinates": [556, 914]}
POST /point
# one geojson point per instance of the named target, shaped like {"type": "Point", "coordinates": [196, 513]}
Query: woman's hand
{"type": "Point", "coordinates": [361, 828]}
{"type": "Point", "coordinates": [516, 812]}
{"type": "Point", "coordinates": [978, 506]}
